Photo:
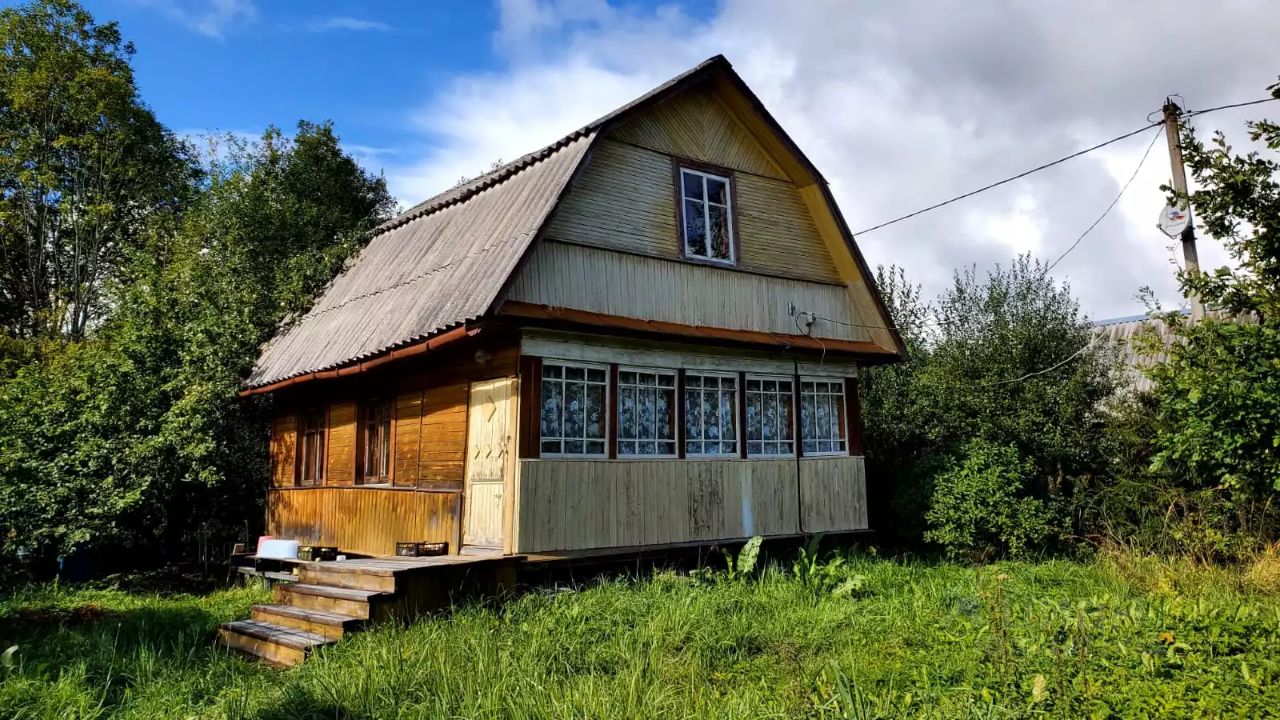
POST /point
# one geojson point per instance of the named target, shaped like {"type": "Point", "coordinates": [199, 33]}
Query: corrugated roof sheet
{"type": "Point", "coordinates": [438, 265]}
{"type": "Point", "coordinates": [1121, 333]}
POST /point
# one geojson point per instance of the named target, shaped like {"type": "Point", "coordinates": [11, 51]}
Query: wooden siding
{"type": "Point", "coordinates": [444, 436]}
{"type": "Point", "coordinates": [597, 280]}
{"type": "Point", "coordinates": [341, 444]}
{"type": "Point", "coordinates": [625, 199]}
{"type": "Point", "coordinates": [283, 449]}
{"type": "Point", "coordinates": [696, 124]}
{"type": "Point", "coordinates": [590, 504]}
{"type": "Point", "coordinates": [408, 438]}
{"type": "Point", "coordinates": [364, 521]}
{"type": "Point", "coordinates": [834, 493]}
{"type": "Point", "coordinates": [565, 345]}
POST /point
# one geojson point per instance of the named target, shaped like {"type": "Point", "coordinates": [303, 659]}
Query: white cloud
{"type": "Point", "coordinates": [901, 105]}
{"type": "Point", "coordinates": [211, 18]}
{"type": "Point", "coordinates": [347, 23]}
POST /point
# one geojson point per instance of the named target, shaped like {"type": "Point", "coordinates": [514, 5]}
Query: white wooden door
{"type": "Point", "coordinates": [490, 450]}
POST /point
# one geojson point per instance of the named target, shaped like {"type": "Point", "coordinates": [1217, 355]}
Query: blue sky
{"type": "Point", "coordinates": [900, 104]}
{"type": "Point", "coordinates": [372, 68]}
{"type": "Point", "coordinates": [358, 64]}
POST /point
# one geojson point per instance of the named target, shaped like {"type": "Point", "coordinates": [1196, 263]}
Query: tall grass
{"type": "Point", "coordinates": [1118, 637]}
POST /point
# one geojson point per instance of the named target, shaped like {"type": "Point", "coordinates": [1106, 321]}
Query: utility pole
{"type": "Point", "coordinates": [1191, 259]}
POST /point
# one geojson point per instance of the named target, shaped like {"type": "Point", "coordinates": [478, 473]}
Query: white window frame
{"type": "Point", "coordinates": [675, 428]}
{"type": "Point", "coordinates": [739, 437]}
{"type": "Point", "coordinates": [841, 413]}
{"type": "Point", "coordinates": [795, 430]}
{"type": "Point", "coordinates": [605, 409]}
{"type": "Point", "coordinates": [706, 217]}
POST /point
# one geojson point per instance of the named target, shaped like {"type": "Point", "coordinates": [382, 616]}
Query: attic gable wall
{"type": "Point", "coordinates": [696, 124]}
{"type": "Point", "coordinates": [625, 198]}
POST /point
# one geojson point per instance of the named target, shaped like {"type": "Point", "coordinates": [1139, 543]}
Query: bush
{"type": "Point", "coordinates": [980, 506]}
{"type": "Point", "coordinates": [1005, 359]}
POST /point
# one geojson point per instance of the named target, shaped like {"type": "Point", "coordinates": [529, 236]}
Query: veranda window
{"type": "Point", "coordinates": [573, 414]}
{"type": "Point", "coordinates": [705, 202]}
{"type": "Point", "coordinates": [822, 417]}
{"type": "Point", "coordinates": [710, 415]}
{"type": "Point", "coordinates": [311, 449]}
{"type": "Point", "coordinates": [377, 443]}
{"type": "Point", "coordinates": [770, 413]}
{"type": "Point", "coordinates": [646, 413]}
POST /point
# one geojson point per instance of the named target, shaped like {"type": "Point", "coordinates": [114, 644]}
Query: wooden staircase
{"type": "Point", "coordinates": [331, 599]}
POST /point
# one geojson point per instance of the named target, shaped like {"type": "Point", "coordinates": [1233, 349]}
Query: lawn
{"type": "Point", "coordinates": [861, 637]}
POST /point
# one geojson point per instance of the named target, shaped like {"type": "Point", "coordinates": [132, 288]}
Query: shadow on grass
{"type": "Point", "coordinates": [103, 638]}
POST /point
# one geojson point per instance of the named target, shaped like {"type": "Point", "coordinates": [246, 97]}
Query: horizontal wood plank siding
{"type": "Point", "coordinates": [408, 438]}
{"type": "Point", "coordinates": [283, 449]}
{"type": "Point", "coordinates": [341, 447]}
{"type": "Point", "coordinates": [443, 437]}
{"type": "Point", "coordinates": [625, 200]}
{"type": "Point", "coordinates": [365, 521]}
{"type": "Point", "coordinates": [582, 505]}
{"type": "Point", "coordinates": [596, 280]}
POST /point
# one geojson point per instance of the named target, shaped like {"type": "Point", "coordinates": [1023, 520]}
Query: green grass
{"type": "Point", "coordinates": [1064, 639]}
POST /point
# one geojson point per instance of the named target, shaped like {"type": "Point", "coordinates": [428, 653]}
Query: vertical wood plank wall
{"type": "Point", "coordinates": [587, 504]}
{"type": "Point", "coordinates": [366, 521]}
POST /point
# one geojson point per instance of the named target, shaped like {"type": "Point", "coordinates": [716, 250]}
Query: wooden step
{"type": "Point", "coordinates": [319, 622]}
{"type": "Point", "coordinates": [276, 644]}
{"type": "Point", "coordinates": [381, 580]}
{"type": "Point", "coordinates": [343, 601]}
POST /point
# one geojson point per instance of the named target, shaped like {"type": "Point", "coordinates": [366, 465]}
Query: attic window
{"type": "Point", "coordinates": [706, 216]}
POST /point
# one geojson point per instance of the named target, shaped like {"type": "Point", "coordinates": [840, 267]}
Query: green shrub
{"type": "Point", "coordinates": [980, 505]}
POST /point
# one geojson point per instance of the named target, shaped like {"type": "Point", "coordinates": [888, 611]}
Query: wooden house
{"type": "Point", "coordinates": [647, 333]}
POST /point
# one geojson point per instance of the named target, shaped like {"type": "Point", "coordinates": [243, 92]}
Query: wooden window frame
{"type": "Point", "coordinates": [616, 440]}
{"type": "Point", "coordinates": [737, 413]}
{"type": "Point", "coordinates": [853, 415]}
{"type": "Point", "coordinates": [841, 408]}
{"type": "Point", "coordinates": [679, 166]}
{"type": "Point", "coordinates": [795, 429]}
{"type": "Point", "coordinates": [322, 464]}
{"type": "Point", "coordinates": [608, 402]}
{"type": "Point", "coordinates": [362, 428]}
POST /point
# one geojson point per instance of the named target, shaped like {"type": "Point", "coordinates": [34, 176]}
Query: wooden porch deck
{"type": "Point", "coordinates": [331, 599]}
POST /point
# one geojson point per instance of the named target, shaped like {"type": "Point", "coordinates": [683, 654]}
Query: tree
{"type": "Point", "coordinates": [137, 436]}
{"type": "Point", "coordinates": [83, 166]}
{"type": "Point", "coordinates": [1006, 359]}
{"type": "Point", "coordinates": [1219, 392]}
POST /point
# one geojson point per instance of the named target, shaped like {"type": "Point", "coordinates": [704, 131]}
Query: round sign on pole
{"type": "Point", "coordinates": [1174, 221]}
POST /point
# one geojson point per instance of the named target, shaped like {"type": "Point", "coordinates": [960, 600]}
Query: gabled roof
{"type": "Point", "coordinates": [447, 261]}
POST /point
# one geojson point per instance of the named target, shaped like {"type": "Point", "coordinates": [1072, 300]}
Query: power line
{"type": "Point", "coordinates": [1059, 161]}
{"type": "Point", "coordinates": [1007, 180]}
{"type": "Point", "coordinates": [1154, 137]}
{"type": "Point", "coordinates": [1051, 368]}
{"type": "Point", "coordinates": [1193, 113]}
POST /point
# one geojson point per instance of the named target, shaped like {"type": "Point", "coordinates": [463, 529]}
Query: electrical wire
{"type": "Point", "coordinates": [939, 322]}
{"type": "Point", "coordinates": [1059, 161]}
{"type": "Point", "coordinates": [1193, 113]}
{"type": "Point", "coordinates": [1051, 368]}
{"type": "Point", "coordinates": [1007, 180]}
{"type": "Point", "coordinates": [1154, 137]}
